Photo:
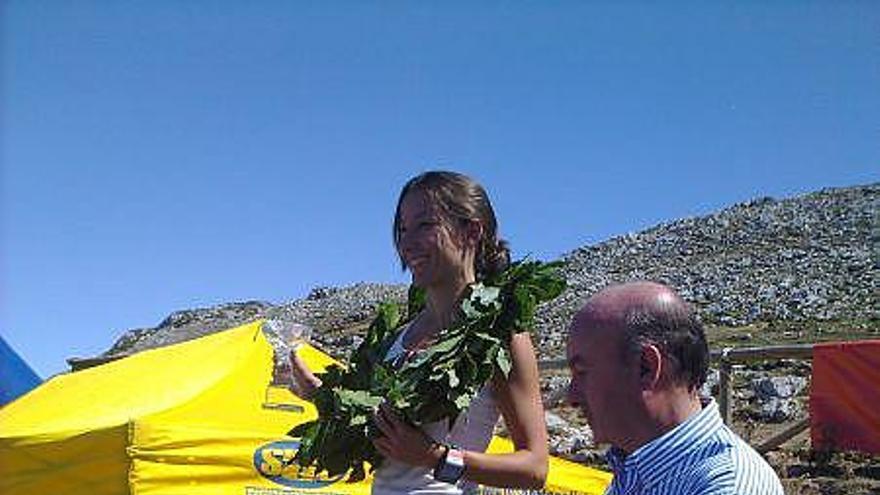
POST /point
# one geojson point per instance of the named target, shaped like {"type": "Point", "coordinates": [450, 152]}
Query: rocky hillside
{"type": "Point", "coordinates": [809, 258]}
{"type": "Point", "coordinates": [330, 312]}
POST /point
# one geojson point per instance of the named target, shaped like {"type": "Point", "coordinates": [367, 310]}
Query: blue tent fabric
{"type": "Point", "coordinates": [16, 377]}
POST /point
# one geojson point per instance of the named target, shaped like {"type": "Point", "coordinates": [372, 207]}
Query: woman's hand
{"type": "Point", "coordinates": [304, 382]}
{"type": "Point", "coordinates": [404, 443]}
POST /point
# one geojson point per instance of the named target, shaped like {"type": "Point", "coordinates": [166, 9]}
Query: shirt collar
{"type": "Point", "coordinates": [664, 451]}
{"type": "Point", "coordinates": [625, 469]}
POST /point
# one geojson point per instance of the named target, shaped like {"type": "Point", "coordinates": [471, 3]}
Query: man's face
{"type": "Point", "coordinates": [603, 385]}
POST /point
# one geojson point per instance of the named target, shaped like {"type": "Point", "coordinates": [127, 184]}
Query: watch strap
{"type": "Point", "coordinates": [450, 468]}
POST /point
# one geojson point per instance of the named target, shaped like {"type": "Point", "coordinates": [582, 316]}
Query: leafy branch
{"type": "Point", "coordinates": [438, 384]}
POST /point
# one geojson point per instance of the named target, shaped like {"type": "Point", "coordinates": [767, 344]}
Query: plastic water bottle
{"type": "Point", "coordinates": [286, 337]}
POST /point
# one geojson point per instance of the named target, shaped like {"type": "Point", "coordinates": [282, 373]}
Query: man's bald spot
{"type": "Point", "coordinates": [610, 307]}
{"type": "Point", "coordinates": [636, 313]}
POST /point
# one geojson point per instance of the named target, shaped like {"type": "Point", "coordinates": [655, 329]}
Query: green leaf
{"type": "Point", "coordinates": [301, 429]}
{"type": "Point", "coordinates": [462, 401]}
{"type": "Point", "coordinates": [453, 378]}
{"type": "Point", "coordinates": [481, 300]}
{"type": "Point", "coordinates": [502, 359]}
{"type": "Point", "coordinates": [359, 398]}
{"type": "Point", "coordinates": [415, 301]}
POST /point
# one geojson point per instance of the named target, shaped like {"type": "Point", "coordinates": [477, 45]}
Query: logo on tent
{"type": "Point", "coordinates": [275, 462]}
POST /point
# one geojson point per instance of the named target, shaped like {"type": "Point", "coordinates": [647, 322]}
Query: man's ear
{"type": "Point", "coordinates": [650, 366]}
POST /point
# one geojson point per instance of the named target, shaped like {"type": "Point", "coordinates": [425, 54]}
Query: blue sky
{"type": "Point", "coordinates": [164, 155]}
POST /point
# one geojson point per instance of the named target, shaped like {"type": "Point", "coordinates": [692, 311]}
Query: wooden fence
{"type": "Point", "coordinates": [724, 360]}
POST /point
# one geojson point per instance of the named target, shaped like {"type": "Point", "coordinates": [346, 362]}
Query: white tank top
{"type": "Point", "coordinates": [472, 430]}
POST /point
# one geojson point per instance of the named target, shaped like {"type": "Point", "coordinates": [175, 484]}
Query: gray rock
{"type": "Point", "coordinates": [778, 386]}
{"type": "Point", "coordinates": [555, 424]}
{"type": "Point", "coordinates": [776, 410]}
{"type": "Point", "coordinates": [572, 441]}
{"type": "Point", "coordinates": [554, 390]}
{"type": "Point", "coordinates": [710, 386]}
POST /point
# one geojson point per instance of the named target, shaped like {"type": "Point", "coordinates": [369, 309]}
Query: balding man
{"type": "Point", "coordinates": [638, 357]}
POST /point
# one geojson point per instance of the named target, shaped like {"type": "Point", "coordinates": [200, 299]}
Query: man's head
{"type": "Point", "coordinates": [637, 352]}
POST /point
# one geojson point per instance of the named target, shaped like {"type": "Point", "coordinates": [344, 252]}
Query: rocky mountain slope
{"type": "Point", "coordinates": [813, 258]}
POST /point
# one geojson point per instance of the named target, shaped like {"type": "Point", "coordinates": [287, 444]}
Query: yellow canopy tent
{"type": "Point", "coordinates": [194, 418]}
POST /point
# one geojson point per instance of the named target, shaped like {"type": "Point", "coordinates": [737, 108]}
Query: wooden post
{"type": "Point", "coordinates": [724, 397]}
{"type": "Point", "coordinates": [744, 354]}
{"type": "Point", "coordinates": [725, 358]}
{"type": "Point", "coordinates": [553, 364]}
{"type": "Point", "coordinates": [783, 436]}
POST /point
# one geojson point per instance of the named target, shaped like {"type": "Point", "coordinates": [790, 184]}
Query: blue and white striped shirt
{"type": "Point", "coordinates": [699, 456]}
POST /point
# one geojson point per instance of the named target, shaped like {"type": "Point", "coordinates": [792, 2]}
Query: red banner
{"type": "Point", "coordinates": [845, 396]}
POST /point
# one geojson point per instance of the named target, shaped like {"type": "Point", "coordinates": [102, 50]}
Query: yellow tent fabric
{"type": "Point", "coordinates": [194, 418]}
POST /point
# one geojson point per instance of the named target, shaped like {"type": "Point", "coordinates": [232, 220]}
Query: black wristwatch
{"type": "Point", "coordinates": [451, 466]}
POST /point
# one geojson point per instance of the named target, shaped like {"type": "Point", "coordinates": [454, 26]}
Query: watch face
{"type": "Point", "coordinates": [455, 457]}
{"type": "Point", "coordinates": [451, 468]}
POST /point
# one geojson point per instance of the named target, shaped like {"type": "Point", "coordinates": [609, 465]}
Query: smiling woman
{"type": "Point", "coordinates": [446, 235]}
{"type": "Point", "coordinates": [448, 199]}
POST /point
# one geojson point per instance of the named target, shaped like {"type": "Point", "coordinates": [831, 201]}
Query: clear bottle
{"type": "Point", "coordinates": [286, 337]}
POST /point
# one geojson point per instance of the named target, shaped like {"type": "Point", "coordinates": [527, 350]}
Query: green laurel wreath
{"type": "Point", "coordinates": [437, 384]}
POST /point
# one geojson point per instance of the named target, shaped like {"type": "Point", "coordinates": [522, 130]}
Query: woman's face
{"type": "Point", "coordinates": [436, 252]}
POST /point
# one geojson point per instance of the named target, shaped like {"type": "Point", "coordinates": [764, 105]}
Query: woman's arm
{"type": "Point", "coordinates": [519, 400]}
